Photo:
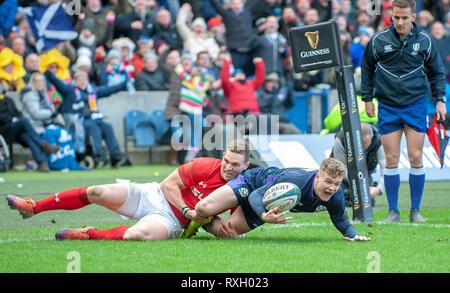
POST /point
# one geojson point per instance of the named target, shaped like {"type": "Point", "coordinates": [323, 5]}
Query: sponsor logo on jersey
{"type": "Point", "coordinates": [416, 47]}
{"type": "Point", "coordinates": [243, 191]}
{"type": "Point", "coordinates": [388, 48]}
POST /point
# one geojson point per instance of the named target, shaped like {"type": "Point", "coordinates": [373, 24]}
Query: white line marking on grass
{"type": "Point", "coordinates": [16, 240]}
{"type": "Point", "coordinates": [312, 224]}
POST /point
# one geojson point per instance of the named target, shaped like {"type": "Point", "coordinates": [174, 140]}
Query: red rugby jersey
{"type": "Point", "coordinates": [200, 177]}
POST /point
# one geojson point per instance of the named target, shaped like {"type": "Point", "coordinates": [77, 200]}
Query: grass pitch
{"type": "Point", "coordinates": [309, 244]}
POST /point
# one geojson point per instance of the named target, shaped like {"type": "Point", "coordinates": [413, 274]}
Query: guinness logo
{"type": "Point", "coordinates": [313, 38]}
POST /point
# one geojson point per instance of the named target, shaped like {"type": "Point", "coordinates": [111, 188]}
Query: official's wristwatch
{"type": "Point", "coordinates": [442, 99]}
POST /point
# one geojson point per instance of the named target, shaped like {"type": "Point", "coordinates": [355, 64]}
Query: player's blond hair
{"type": "Point", "coordinates": [239, 146]}
{"type": "Point", "coordinates": [333, 167]}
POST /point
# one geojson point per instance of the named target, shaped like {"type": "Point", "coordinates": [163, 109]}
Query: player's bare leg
{"type": "Point", "coordinates": [415, 142]}
{"type": "Point", "coordinates": [147, 229]}
{"type": "Point", "coordinates": [111, 196]}
{"type": "Point", "coordinates": [391, 145]}
{"type": "Point", "coordinates": [217, 202]}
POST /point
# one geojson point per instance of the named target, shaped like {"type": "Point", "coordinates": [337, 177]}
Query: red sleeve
{"type": "Point", "coordinates": [197, 170]}
{"type": "Point", "coordinates": [260, 75]}
{"type": "Point", "coordinates": [225, 75]}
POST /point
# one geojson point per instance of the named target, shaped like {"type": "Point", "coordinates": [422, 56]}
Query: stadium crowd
{"type": "Point", "coordinates": [212, 56]}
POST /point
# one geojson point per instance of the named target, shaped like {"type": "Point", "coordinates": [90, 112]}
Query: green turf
{"type": "Point", "coordinates": [309, 244]}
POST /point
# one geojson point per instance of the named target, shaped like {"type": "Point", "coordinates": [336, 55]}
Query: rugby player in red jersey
{"type": "Point", "coordinates": [162, 209]}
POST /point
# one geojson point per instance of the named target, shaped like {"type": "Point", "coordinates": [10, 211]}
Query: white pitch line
{"type": "Point", "coordinates": [297, 225]}
{"type": "Point", "coordinates": [17, 240]}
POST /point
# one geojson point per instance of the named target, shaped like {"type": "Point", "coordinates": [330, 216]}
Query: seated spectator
{"type": "Point", "coordinates": [374, 155]}
{"type": "Point", "coordinates": [83, 117]}
{"type": "Point", "coordinates": [57, 63]}
{"type": "Point", "coordinates": [31, 66]}
{"type": "Point", "coordinates": [16, 128]}
{"type": "Point", "coordinates": [240, 91]}
{"type": "Point", "coordinates": [196, 39]}
{"type": "Point", "coordinates": [272, 100]}
{"type": "Point", "coordinates": [152, 78]}
{"type": "Point", "coordinates": [11, 70]}
{"type": "Point", "coordinates": [37, 106]}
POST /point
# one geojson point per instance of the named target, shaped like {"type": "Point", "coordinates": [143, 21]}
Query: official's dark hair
{"type": "Point", "coordinates": [405, 4]}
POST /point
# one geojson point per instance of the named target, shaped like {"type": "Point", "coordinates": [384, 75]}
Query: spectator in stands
{"type": "Point", "coordinates": [289, 20]}
{"type": "Point", "coordinates": [242, 39]}
{"type": "Point", "coordinates": [87, 37]}
{"type": "Point", "coordinates": [16, 128]}
{"type": "Point", "coordinates": [37, 106]}
{"type": "Point", "coordinates": [311, 17]}
{"type": "Point", "coordinates": [374, 155]}
{"type": "Point", "coordinates": [273, 99]}
{"type": "Point", "coordinates": [8, 10]}
{"type": "Point", "coordinates": [193, 93]}
{"type": "Point", "coordinates": [18, 46]}
{"type": "Point", "coordinates": [278, 47]}
{"type": "Point", "coordinates": [217, 28]}
{"type": "Point", "coordinates": [95, 11]}
{"type": "Point", "coordinates": [11, 70]}
{"type": "Point", "coordinates": [301, 6]}
{"type": "Point", "coordinates": [196, 38]}
{"type": "Point", "coordinates": [165, 30]}
{"type": "Point", "coordinates": [31, 66]}
{"type": "Point", "coordinates": [57, 63]}
{"type": "Point", "coordinates": [358, 47]}
{"type": "Point", "coordinates": [145, 46]}
{"type": "Point", "coordinates": [83, 118]}
{"type": "Point", "coordinates": [115, 72]}
{"type": "Point", "coordinates": [138, 22]}
{"type": "Point", "coordinates": [152, 78]}
{"type": "Point", "coordinates": [443, 45]}
{"type": "Point", "coordinates": [424, 20]}
{"type": "Point", "coordinates": [324, 9]}
{"type": "Point", "coordinates": [240, 91]}
{"type": "Point", "coordinates": [265, 8]}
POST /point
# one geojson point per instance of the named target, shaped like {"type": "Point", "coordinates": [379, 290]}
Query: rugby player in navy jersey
{"type": "Point", "coordinates": [318, 188]}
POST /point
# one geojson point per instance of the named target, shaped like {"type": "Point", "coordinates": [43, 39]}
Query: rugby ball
{"type": "Point", "coordinates": [283, 195]}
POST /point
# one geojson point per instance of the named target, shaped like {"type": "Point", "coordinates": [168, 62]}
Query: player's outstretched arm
{"type": "Point", "coordinates": [171, 188]}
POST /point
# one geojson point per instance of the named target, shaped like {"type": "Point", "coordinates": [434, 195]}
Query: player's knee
{"type": "Point", "coordinates": [415, 158]}
{"type": "Point", "coordinates": [95, 193]}
{"type": "Point", "coordinates": [134, 234]}
{"type": "Point", "coordinates": [144, 235]}
{"type": "Point", "coordinates": [392, 160]}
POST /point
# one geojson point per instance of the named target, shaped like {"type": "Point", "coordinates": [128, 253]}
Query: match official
{"type": "Point", "coordinates": [398, 65]}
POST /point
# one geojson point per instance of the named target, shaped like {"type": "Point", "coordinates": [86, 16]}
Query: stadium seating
{"type": "Point", "coordinates": [162, 126]}
{"type": "Point", "coordinates": [138, 129]}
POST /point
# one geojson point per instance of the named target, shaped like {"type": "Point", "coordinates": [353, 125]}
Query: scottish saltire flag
{"type": "Point", "coordinates": [50, 25]}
